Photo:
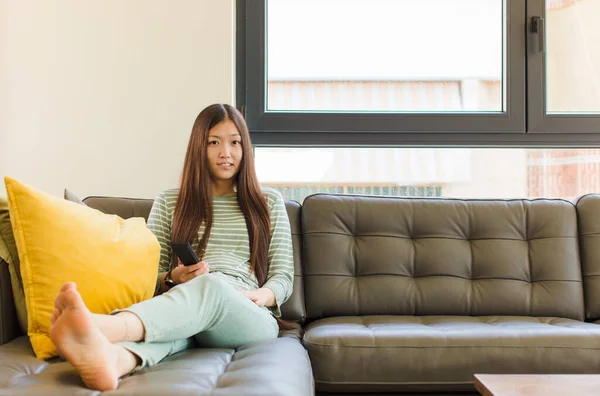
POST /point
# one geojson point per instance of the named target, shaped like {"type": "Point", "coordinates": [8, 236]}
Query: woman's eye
{"type": "Point", "coordinates": [236, 142]}
{"type": "Point", "coordinates": [214, 142]}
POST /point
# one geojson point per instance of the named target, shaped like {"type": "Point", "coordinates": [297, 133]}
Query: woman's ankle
{"type": "Point", "coordinates": [124, 326]}
{"type": "Point", "coordinates": [133, 327]}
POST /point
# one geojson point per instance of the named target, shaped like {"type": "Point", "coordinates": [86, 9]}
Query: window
{"type": "Point", "coordinates": [518, 73]}
{"type": "Point", "coordinates": [382, 56]}
{"type": "Point", "coordinates": [431, 172]}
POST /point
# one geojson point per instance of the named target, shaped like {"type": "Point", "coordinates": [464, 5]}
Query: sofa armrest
{"type": "Point", "coordinates": [9, 327]}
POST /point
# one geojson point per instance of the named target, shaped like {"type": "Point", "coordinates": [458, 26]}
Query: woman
{"type": "Point", "coordinates": [232, 297]}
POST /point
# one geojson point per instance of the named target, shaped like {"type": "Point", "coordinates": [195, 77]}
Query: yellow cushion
{"type": "Point", "coordinates": [113, 261]}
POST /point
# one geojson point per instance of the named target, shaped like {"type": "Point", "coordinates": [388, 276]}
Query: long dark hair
{"type": "Point", "coordinates": [194, 205]}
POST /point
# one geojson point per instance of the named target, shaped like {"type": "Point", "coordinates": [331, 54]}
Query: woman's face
{"type": "Point", "coordinates": [224, 151]}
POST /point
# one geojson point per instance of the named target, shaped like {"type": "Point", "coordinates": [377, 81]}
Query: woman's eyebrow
{"type": "Point", "coordinates": [219, 137]}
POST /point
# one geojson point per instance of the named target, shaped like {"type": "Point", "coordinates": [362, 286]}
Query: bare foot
{"type": "Point", "coordinates": [81, 342]}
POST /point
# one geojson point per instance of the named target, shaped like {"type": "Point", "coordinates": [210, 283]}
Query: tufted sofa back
{"type": "Point", "coordinates": [396, 256]}
{"type": "Point", "coordinates": [588, 213]}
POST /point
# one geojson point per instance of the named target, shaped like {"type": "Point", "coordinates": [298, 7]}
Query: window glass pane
{"type": "Point", "coordinates": [573, 56]}
{"type": "Point", "coordinates": [386, 55]}
{"type": "Point", "coordinates": [445, 172]}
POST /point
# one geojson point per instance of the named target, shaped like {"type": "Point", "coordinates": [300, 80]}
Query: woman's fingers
{"type": "Point", "coordinates": [192, 271]}
{"type": "Point", "coordinates": [194, 267]}
{"type": "Point", "coordinates": [201, 269]}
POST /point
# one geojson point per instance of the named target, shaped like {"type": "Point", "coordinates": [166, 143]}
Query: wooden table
{"type": "Point", "coordinates": [526, 384]}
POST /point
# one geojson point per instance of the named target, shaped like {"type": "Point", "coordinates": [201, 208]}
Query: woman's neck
{"type": "Point", "coordinates": [223, 189]}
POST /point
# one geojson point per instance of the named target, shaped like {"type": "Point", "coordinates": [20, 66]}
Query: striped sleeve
{"type": "Point", "coordinates": [280, 276]}
{"type": "Point", "coordinates": [159, 223]}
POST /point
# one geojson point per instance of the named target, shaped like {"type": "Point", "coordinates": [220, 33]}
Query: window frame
{"type": "Point", "coordinates": [538, 119]}
{"type": "Point", "coordinates": [509, 129]}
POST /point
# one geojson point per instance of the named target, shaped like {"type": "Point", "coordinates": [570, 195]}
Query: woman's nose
{"type": "Point", "coordinates": [224, 152]}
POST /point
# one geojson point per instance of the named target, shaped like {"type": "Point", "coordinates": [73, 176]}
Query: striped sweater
{"type": "Point", "coordinates": [228, 249]}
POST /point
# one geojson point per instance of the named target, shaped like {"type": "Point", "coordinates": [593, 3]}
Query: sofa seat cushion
{"type": "Point", "coordinates": [400, 353]}
{"type": "Point", "coordinates": [279, 367]}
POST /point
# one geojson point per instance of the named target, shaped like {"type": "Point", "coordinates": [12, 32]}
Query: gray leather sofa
{"type": "Point", "coordinates": [393, 295]}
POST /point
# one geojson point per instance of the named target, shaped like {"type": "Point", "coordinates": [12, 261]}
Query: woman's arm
{"type": "Point", "coordinates": [280, 276]}
{"type": "Point", "coordinates": [160, 224]}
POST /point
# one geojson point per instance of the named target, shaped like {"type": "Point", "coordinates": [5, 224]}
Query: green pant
{"type": "Point", "coordinates": [207, 310]}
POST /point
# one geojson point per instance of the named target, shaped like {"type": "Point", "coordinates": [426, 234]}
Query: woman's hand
{"type": "Point", "coordinates": [263, 297]}
{"type": "Point", "coordinates": [182, 273]}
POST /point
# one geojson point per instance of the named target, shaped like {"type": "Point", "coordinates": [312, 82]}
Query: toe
{"type": "Point", "coordinates": [68, 286]}
{"type": "Point", "coordinates": [72, 300]}
{"type": "Point", "coordinates": [54, 316]}
{"type": "Point", "coordinates": [58, 303]}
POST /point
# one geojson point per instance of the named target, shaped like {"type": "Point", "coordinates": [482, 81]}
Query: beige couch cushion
{"type": "Point", "coordinates": [404, 353]}
{"type": "Point", "coordinates": [122, 207]}
{"type": "Point", "coordinates": [393, 256]}
{"type": "Point", "coordinates": [9, 253]}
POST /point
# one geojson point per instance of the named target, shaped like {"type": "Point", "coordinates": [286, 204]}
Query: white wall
{"type": "Point", "coordinates": [100, 96]}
